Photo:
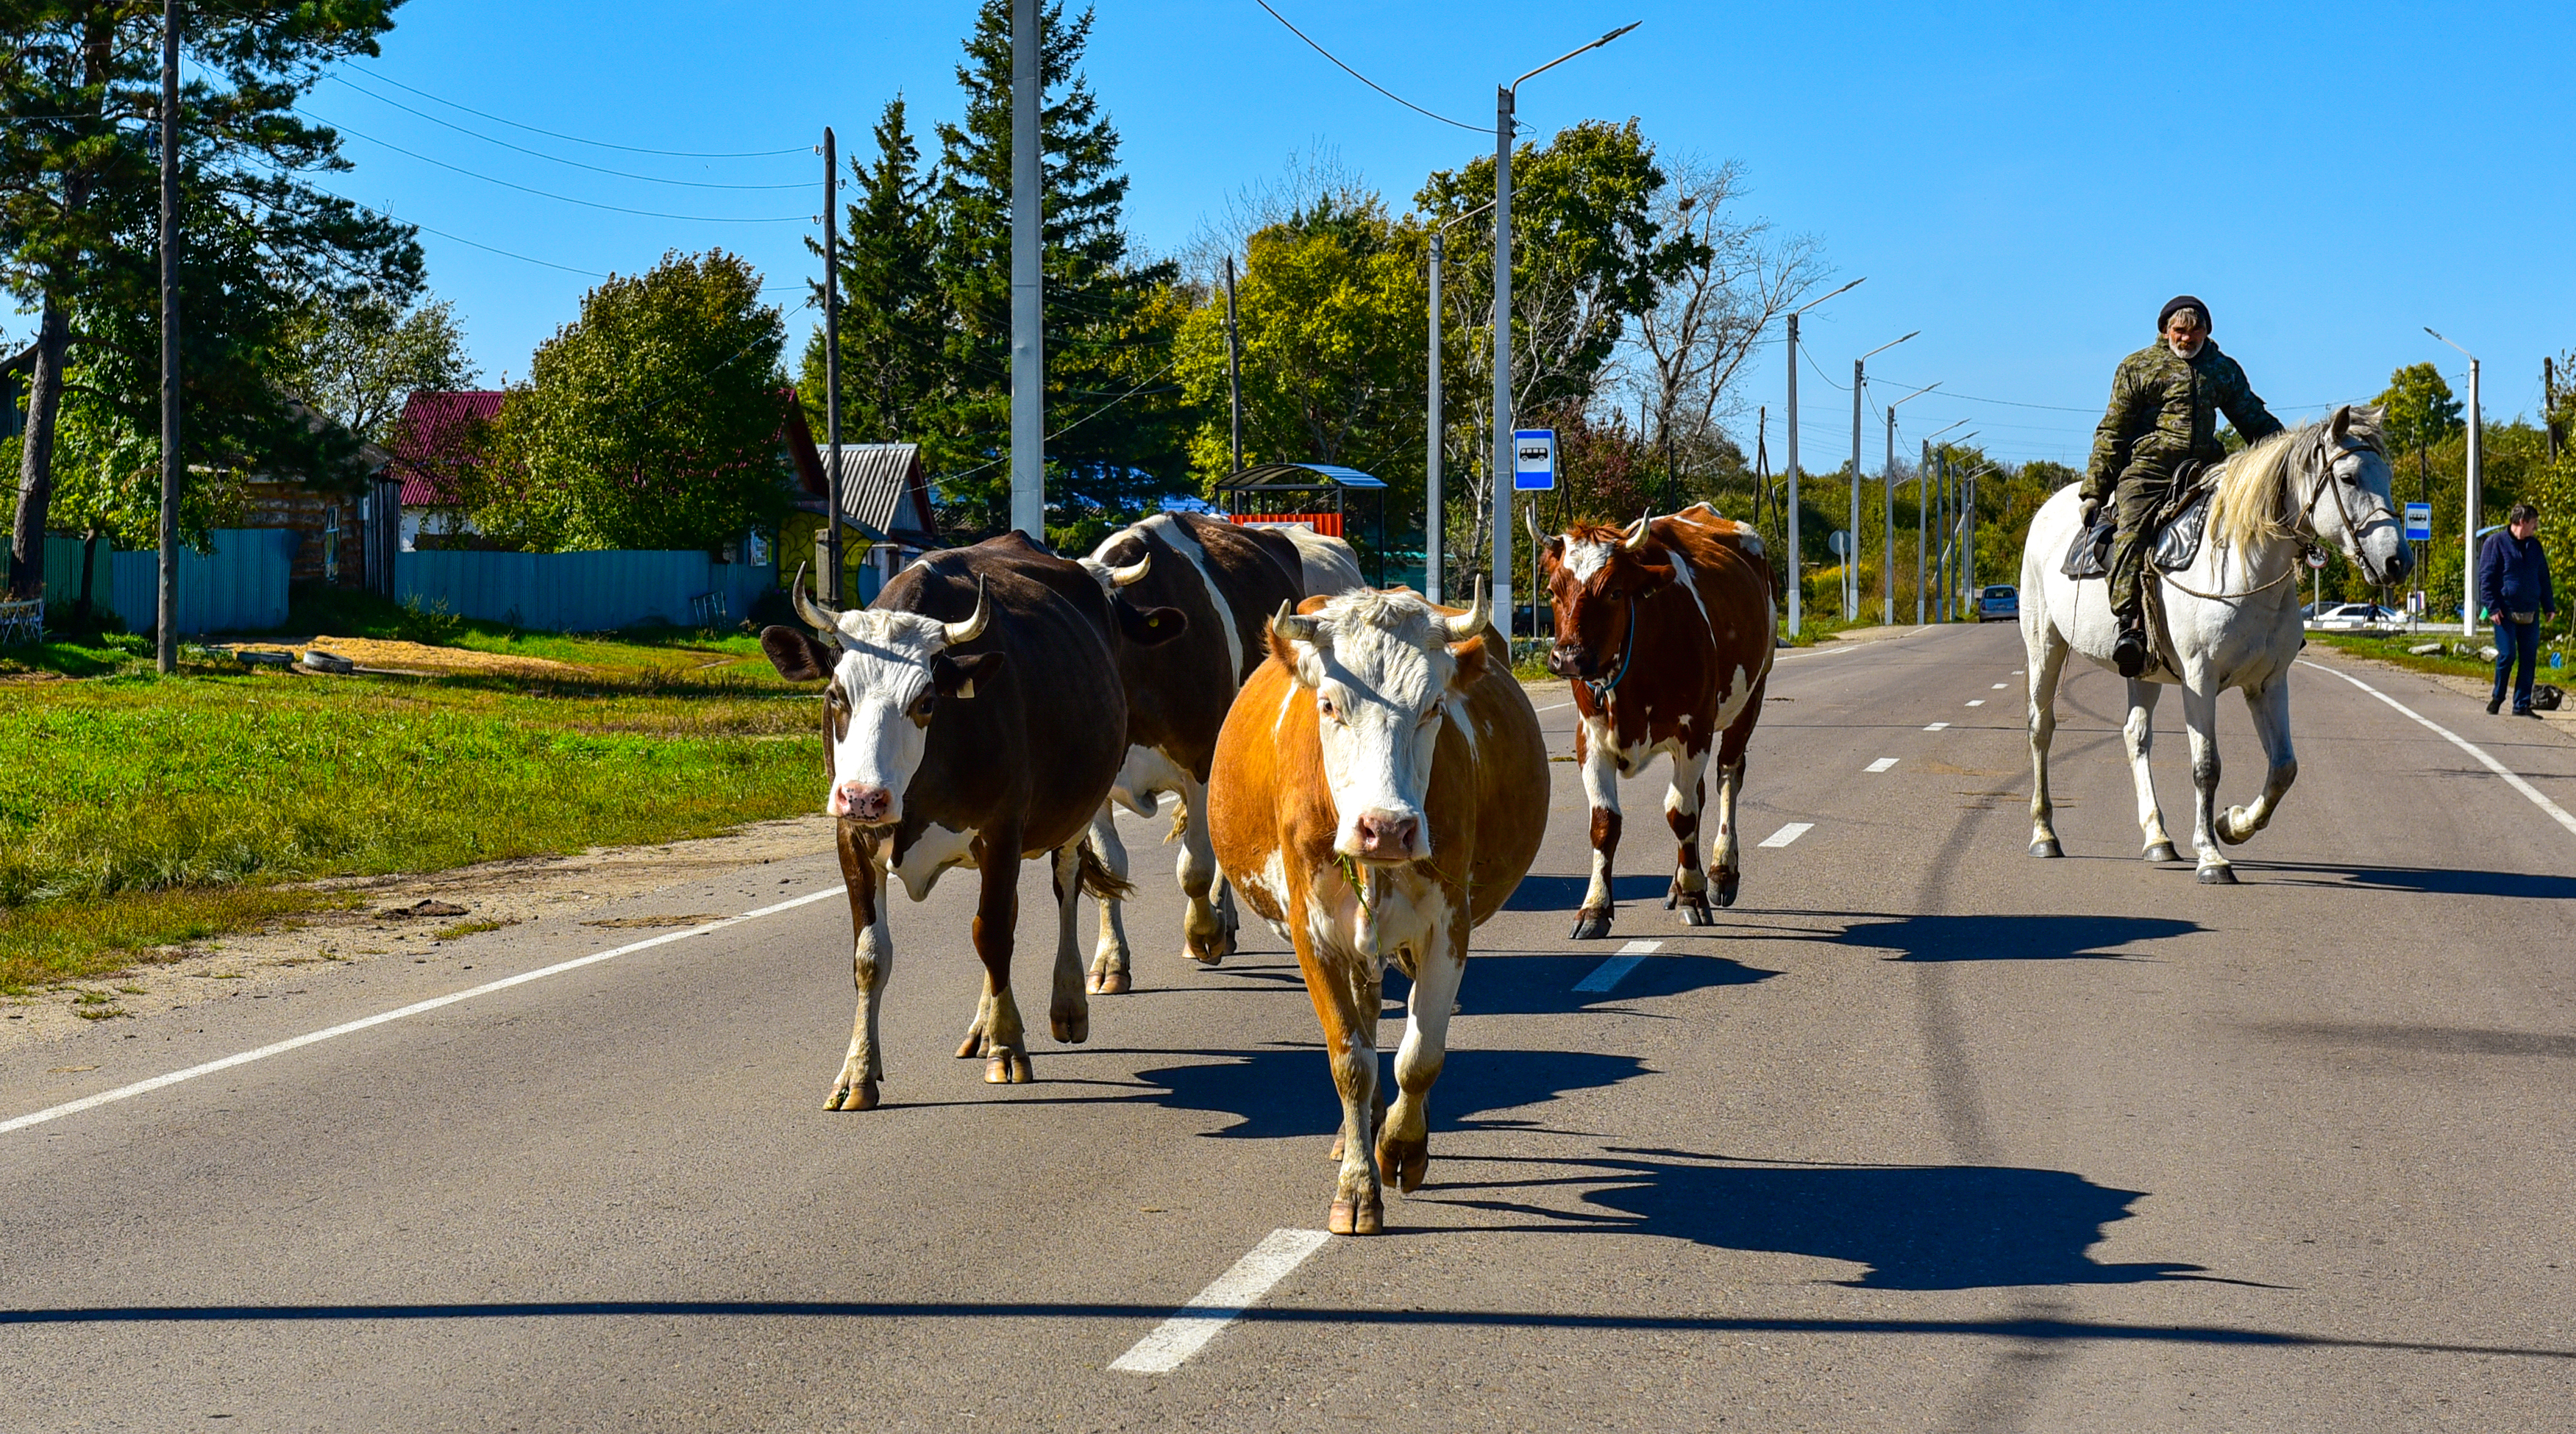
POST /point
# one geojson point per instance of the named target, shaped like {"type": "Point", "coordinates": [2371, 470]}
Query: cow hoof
{"type": "Point", "coordinates": [1692, 905]}
{"type": "Point", "coordinates": [971, 1047]}
{"type": "Point", "coordinates": [2218, 874]}
{"type": "Point", "coordinates": [1590, 925]}
{"type": "Point", "coordinates": [2046, 846]}
{"type": "Point", "coordinates": [1008, 1068]}
{"type": "Point", "coordinates": [1727, 883]}
{"type": "Point", "coordinates": [1348, 1218]}
{"type": "Point", "coordinates": [1211, 950]}
{"type": "Point", "coordinates": [1404, 1162]}
{"type": "Point", "coordinates": [862, 1096]}
{"type": "Point", "coordinates": [2163, 851]}
{"type": "Point", "coordinates": [1071, 1030]}
{"type": "Point", "coordinates": [1108, 983]}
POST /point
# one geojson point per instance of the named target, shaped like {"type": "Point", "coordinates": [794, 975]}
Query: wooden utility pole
{"type": "Point", "coordinates": [831, 371]}
{"type": "Point", "coordinates": [166, 619]}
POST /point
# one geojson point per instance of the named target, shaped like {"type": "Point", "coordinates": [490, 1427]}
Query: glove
{"type": "Point", "coordinates": [2092, 506]}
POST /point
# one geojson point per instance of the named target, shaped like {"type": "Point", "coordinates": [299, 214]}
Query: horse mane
{"type": "Point", "coordinates": [2253, 486]}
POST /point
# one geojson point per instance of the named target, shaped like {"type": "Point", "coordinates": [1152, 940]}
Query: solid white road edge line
{"type": "Point", "coordinates": [2491, 764]}
{"type": "Point", "coordinates": [1881, 765]}
{"type": "Point", "coordinates": [1607, 974]}
{"type": "Point", "coordinates": [1788, 834]}
{"type": "Point", "coordinates": [1221, 1303]}
{"type": "Point", "coordinates": [128, 1092]}
{"type": "Point", "coordinates": [1551, 709]}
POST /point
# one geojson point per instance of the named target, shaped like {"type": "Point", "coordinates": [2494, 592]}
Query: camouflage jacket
{"type": "Point", "coordinates": [2164, 405]}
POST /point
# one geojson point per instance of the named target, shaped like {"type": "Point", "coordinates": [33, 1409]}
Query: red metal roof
{"type": "Point", "coordinates": [430, 442]}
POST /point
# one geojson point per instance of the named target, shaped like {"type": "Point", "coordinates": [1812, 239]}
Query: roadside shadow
{"type": "Point", "coordinates": [2011, 937]}
{"type": "Point", "coordinates": [2354, 1037]}
{"type": "Point", "coordinates": [1565, 893]}
{"type": "Point", "coordinates": [2423, 880]}
{"type": "Point", "coordinates": [1278, 1093]}
{"type": "Point", "coordinates": [1544, 985]}
{"type": "Point", "coordinates": [1910, 1227]}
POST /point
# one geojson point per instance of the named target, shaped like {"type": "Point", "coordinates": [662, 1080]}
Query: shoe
{"type": "Point", "coordinates": [2524, 712]}
{"type": "Point", "coordinates": [2130, 655]}
{"type": "Point", "coordinates": [2494, 707]}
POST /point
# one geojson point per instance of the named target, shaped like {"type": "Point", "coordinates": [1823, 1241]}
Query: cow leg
{"type": "Point", "coordinates": [1346, 991]}
{"type": "Point", "coordinates": [1728, 850]}
{"type": "Point", "coordinates": [1208, 929]}
{"type": "Point", "coordinates": [1682, 803]}
{"type": "Point", "coordinates": [1404, 1143]}
{"type": "Point", "coordinates": [1109, 974]}
{"type": "Point", "coordinates": [1601, 786]}
{"type": "Point", "coordinates": [1005, 1045]}
{"type": "Point", "coordinates": [2139, 735]}
{"type": "Point", "coordinates": [872, 960]}
{"type": "Point", "coordinates": [1069, 1010]}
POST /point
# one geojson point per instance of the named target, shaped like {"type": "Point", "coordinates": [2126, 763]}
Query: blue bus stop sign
{"type": "Point", "coordinates": [2419, 522]}
{"type": "Point", "coordinates": [1534, 459]}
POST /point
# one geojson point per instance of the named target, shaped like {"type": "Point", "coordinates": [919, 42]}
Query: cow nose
{"type": "Point", "coordinates": [862, 802]}
{"type": "Point", "coordinates": [1386, 834]}
{"type": "Point", "coordinates": [1565, 659]}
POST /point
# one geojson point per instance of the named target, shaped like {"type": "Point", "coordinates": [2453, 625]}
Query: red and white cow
{"type": "Point", "coordinates": [1379, 790]}
{"type": "Point", "coordinates": [1665, 627]}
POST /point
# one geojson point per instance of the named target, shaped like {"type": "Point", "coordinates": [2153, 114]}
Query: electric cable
{"type": "Point", "coordinates": [577, 139]}
{"type": "Point", "coordinates": [557, 159]}
{"type": "Point", "coordinates": [549, 194]}
{"type": "Point", "coordinates": [1363, 79]}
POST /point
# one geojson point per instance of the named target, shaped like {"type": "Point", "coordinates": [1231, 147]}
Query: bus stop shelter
{"type": "Point", "coordinates": [1317, 495]}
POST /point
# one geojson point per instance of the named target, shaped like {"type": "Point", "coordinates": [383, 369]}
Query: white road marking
{"type": "Point", "coordinates": [1567, 703]}
{"type": "Point", "coordinates": [1937, 726]}
{"type": "Point", "coordinates": [1221, 1303]}
{"type": "Point", "coordinates": [1607, 974]}
{"type": "Point", "coordinates": [1882, 764]}
{"type": "Point", "coordinates": [2491, 764]}
{"type": "Point", "coordinates": [1977, 702]}
{"type": "Point", "coordinates": [128, 1092]}
{"type": "Point", "coordinates": [2000, 686]}
{"type": "Point", "coordinates": [1784, 655]}
{"type": "Point", "coordinates": [1788, 834]}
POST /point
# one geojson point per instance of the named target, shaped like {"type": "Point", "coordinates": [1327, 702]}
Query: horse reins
{"type": "Point", "coordinates": [2303, 525]}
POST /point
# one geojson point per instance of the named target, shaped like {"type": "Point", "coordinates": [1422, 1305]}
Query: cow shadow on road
{"type": "Point", "coordinates": [2423, 880]}
{"type": "Point", "coordinates": [1565, 893]}
{"type": "Point", "coordinates": [1285, 1092]}
{"type": "Point", "coordinates": [1543, 983]}
{"type": "Point", "coordinates": [1910, 1227]}
{"type": "Point", "coordinates": [2005, 937]}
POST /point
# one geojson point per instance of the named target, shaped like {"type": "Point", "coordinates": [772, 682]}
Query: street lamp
{"type": "Point", "coordinates": [1887, 495]}
{"type": "Point", "coordinates": [1504, 97]}
{"type": "Point", "coordinates": [1923, 517]}
{"type": "Point", "coordinates": [1433, 510]}
{"type": "Point", "coordinates": [1851, 560]}
{"type": "Point", "coordinates": [1797, 575]}
{"type": "Point", "coordinates": [2474, 483]}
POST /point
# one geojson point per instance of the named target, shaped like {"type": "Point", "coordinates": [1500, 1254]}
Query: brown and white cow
{"type": "Point", "coordinates": [1227, 579]}
{"type": "Point", "coordinates": [1665, 627]}
{"type": "Point", "coordinates": [973, 717]}
{"type": "Point", "coordinates": [1379, 790]}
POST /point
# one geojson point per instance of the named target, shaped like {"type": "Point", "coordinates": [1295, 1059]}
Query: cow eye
{"type": "Point", "coordinates": [1330, 712]}
{"type": "Point", "coordinates": [919, 711]}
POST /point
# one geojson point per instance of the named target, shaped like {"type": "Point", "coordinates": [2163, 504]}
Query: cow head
{"type": "Point", "coordinates": [1383, 669]}
{"type": "Point", "coordinates": [889, 672]}
{"type": "Point", "coordinates": [1144, 627]}
{"type": "Point", "coordinates": [1595, 574]}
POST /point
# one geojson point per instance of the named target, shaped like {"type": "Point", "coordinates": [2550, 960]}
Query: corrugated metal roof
{"type": "Point", "coordinates": [877, 484]}
{"type": "Point", "coordinates": [428, 442]}
{"type": "Point", "coordinates": [1285, 475]}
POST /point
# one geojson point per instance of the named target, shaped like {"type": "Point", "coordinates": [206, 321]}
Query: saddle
{"type": "Point", "coordinates": [2174, 532]}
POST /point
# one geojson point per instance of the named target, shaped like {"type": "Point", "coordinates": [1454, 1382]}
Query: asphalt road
{"type": "Point", "coordinates": [1924, 1134]}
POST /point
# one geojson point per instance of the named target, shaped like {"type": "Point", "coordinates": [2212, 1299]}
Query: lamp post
{"type": "Point", "coordinates": [1970, 599]}
{"type": "Point", "coordinates": [1887, 496]}
{"type": "Point", "coordinates": [1504, 98]}
{"type": "Point", "coordinates": [1028, 294]}
{"type": "Point", "coordinates": [1434, 510]}
{"type": "Point", "coordinates": [1797, 573]}
{"type": "Point", "coordinates": [1851, 560]}
{"type": "Point", "coordinates": [2474, 481]}
{"type": "Point", "coordinates": [1923, 517]}
{"type": "Point", "coordinates": [1949, 504]}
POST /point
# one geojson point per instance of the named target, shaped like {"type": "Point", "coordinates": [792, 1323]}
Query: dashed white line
{"type": "Point", "coordinates": [1977, 702]}
{"type": "Point", "coordinates": [1937, 726]}
{"type": "Point", "coordinates": [1882, 764]}
{"type": "Point", "coordinates": [1788, 834]}
{"type": "Point", "coordinates": [1223, 1302]}
{"type": "Point", "coordinates": [1607, 974]}
{"type": "Point", "coordinates": [2000, 686]}
{"type": "Point", "coordinates": [2491, 764]}
{"type": "Point", "coordinates": [128, 1092]}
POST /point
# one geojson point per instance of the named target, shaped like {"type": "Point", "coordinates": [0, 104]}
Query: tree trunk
{"type": "Point", "coordinates": [36, 456]}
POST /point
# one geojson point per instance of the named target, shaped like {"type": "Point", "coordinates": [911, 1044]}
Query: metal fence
{"type": "Point", "coordinates": [583, 592]}
{"type": "Point", "coordinates": [239, 587]}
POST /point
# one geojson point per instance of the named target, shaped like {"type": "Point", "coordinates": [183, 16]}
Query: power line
{"type": "Point", "coordinates": [1363, 79]}
{"type": "Point", "coordinates": [1077, 423]}
{"type": "Point", "coordinates": [577, 139]}
{"type": "Point", "coordinates": [389, 216]}
{"type": "Point", "coordinates": [558, 159]}
{"type": "Point", "coordinates": [549, 194]}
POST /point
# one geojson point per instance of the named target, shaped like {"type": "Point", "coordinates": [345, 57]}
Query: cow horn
{"type": "Point", "coordinates": [820, 616]}
{"type": "Point", "coordinates": [1530, 518]}
{"type": "Point", "coordinates": [959, 633]}
{"type": "Point", "coordinates": [1471, 623]}
{"type": "Point", "coordinates": [1292, 625]}
{"type": "Point", "coordinates": [1644, 528]}
{"type": "Point", "coordinates": [1133, 573]}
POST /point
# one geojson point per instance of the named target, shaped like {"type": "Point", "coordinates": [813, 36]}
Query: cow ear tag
{"type": "Point", "coordinates": [966, 688]}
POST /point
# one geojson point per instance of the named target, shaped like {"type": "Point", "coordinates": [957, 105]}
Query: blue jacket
{"type": "Point", "coordinates": [2513, 575]}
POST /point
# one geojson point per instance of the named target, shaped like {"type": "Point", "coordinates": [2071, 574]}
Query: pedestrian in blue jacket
{"type": "Point", "coordinates": [2513, 587]}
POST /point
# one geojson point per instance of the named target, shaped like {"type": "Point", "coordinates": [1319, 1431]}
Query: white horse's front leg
{"type": "Point", "coordinates": [2046, 652]}
{"type": "Point", "coordinates": [2139, 733]}
{"type": "Point", "coordinates": [2200, 718]}
{"type": "Point", "coordinates": [2270, 706]}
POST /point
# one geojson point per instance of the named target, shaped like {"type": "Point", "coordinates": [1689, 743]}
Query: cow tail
{"type": "Point", "coordinates": [1098, 881]}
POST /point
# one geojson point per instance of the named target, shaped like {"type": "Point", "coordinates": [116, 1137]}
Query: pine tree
{"type": "Point", "coordinates": [893, 313]}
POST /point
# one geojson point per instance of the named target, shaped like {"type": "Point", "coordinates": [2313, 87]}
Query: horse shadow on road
{"type": "Point", "coordinates": [1910, 1227]}
{"type": "Point", "coordinates": [2006, 937]}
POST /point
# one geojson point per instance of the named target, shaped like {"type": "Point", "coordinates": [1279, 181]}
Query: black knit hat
{"type": "Point", "coordinates": [2182, 301]}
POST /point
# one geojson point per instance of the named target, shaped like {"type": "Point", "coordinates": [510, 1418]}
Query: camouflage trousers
{"type": "Point", "coordinates": [2142, 490]}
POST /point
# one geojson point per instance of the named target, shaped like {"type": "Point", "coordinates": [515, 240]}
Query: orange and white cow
{"type": "Point", "coordinates": [1379, 789]}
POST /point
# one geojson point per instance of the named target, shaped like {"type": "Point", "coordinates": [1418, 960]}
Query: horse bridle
{"type": "Point", "coordinates": [2328, 482]}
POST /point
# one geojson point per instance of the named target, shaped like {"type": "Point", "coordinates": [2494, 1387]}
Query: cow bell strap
{"type": "Point", "coordinates": [1627, 651]}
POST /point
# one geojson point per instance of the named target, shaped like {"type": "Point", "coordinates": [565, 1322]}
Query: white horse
{"type": "Point", "coordinates": [2229, 620]}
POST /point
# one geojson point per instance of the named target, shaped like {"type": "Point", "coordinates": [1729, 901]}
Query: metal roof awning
{"type": "Point", "coordinates": [1296, 478]}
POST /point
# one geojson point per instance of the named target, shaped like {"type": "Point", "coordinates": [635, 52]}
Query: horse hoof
{"type": "Point", "coordinates": [2218, 875]}
{"type": "Point", "coordinates": [2232, 828]}
{"type": "Point", "coordinates": [2046, 846]}
{"type": "Point", "coordinates": [1591, 925]}
{"type": "Point", "coordinates": [1726, 887]}
{"type": "Point", "coordinates": [2163, 851]}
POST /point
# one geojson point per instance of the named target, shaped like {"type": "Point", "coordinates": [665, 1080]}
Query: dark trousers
{"type": "Point", "coordinates": [2517, 647]}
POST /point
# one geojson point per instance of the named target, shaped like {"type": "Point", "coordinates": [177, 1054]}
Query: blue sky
{"type": "Point", "coordinates": [2025, 184]}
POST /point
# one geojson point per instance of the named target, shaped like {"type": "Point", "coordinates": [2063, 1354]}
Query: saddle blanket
{"type": "Point", "coordinates": [2174, 546]}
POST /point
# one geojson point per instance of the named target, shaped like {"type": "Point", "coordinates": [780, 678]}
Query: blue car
{"type": "Point", "coordinates": [1999, 604]}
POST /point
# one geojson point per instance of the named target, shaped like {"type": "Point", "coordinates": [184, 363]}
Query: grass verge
{"type": "Point", "coordinates": [47, 942]}
{"type": "Point", "coordinates": [2451, 660]}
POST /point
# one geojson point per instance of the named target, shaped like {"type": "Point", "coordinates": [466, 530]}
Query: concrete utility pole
{"type": "Point", "coordinates": [1887, 499]}
{"type": "Point", "coordinates": [1431, 499]}
{"type": "Point", "coordinates": [1233, 378]}
{"type": "Point", "coordinates": [1028, 340]}
{"type": "Point", "coordinates": [1504, 98]}
{"type": "Point", "coordinates": [2475, 477]}
{"type": "Point", "coordinates": [1851, 559]}
{"type": "Point", "coordinates": [166, 622]}
{"type": "Point", "coordinates": [1797, 574]}
{"type": "Point", "coordinates": [2549, 403]}
{"type": "Point", "coordinates": [1923, 492]}
{"type": "Point", "coordinates": [831, 372]}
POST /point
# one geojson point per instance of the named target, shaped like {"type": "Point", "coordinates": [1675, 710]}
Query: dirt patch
{"type": "Point", "coordinates": [398, 918]}
{"type": "Point", "coordinates": [385, 654]}
{"type": "Point", "coordinates": [647, 923]}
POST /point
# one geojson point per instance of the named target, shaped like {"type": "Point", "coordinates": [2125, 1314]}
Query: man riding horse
{"type": "Point", "coordinates": [2161, 423]}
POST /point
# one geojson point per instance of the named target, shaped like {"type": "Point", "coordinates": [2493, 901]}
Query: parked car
{"type": "Point", "coordinates": [1999, 604]}
{"type": "Point", "coordinates": [2353, 615]}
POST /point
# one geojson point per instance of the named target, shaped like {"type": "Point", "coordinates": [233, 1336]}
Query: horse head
{"type": "Point", "coordinates": [2348, 502]}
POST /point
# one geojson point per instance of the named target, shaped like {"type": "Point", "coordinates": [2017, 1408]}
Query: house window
{"type": "Point", "coordinates": [331, 545]}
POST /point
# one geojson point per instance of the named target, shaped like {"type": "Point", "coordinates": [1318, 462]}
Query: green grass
{"type": "Point", "coordinates": [137, 811]}
{"type": "Point", "coordinates": [640, 652]}
{"type": "Point", "coordinates": [2449, 660]}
